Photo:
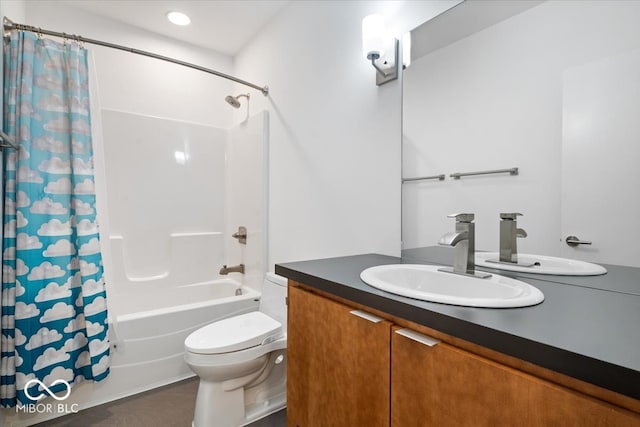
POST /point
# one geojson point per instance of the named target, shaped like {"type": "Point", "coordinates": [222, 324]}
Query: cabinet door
{"type": "Point", "coordinates": [442, 385]}
{"type": "Point", "coordinates": [337, 364]}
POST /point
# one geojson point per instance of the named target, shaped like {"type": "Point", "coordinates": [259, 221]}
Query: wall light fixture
{"type": "Point", "coordinates": [380, 48]}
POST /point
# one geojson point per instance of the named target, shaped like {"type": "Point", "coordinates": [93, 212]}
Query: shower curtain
{"type": "Point", "coordinates": [54, 312]}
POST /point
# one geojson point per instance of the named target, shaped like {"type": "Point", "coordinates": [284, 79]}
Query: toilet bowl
{"type": "Point", "coordinates": [241, 362]}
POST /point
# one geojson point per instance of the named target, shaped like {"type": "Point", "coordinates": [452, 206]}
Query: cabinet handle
{"type": "Point", "coordinates": [417, 336]}
{"type": "Point", "coordinates": [367, 316]}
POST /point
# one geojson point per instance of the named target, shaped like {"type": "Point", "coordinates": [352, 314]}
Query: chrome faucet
{"type": "Point", "coordinates": [464, 242]}
{"type": "Point", "coordinates": [509, 233]}
{"type": "Point", "coordinates": [234, 269]}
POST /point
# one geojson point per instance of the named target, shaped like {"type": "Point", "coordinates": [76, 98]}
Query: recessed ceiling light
{"type": "Point", "coordinates": [178, 18]}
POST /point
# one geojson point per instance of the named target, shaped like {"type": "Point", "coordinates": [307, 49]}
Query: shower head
{"type": "Point", "coordinates": [234, 100]}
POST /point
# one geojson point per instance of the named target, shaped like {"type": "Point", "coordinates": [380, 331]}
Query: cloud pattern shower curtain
{"type": "Point", "coordinates": [54, 312]}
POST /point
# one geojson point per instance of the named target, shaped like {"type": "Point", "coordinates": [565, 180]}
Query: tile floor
{"type": "Point", "coordinates": [169, 406]}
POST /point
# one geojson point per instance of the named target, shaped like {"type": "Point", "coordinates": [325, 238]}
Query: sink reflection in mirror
{"type": "Point", "coordinates": [540, 264]}
{"type": "Point", "coordinates": [427, 283]}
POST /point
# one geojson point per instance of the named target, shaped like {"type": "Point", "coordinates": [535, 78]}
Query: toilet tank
{"type": "Point", "coordinates": [273, 302]}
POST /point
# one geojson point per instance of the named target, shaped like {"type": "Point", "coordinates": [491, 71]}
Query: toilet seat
{"type": "Point", "coordinates": [234, 334]}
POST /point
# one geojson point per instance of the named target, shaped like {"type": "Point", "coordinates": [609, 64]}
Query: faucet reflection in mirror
{"type": "Point", "coordinates": [509, 233]}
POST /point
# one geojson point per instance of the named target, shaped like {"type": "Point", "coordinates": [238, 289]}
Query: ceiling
{"type": "Point", "coordinates": [221, 25]}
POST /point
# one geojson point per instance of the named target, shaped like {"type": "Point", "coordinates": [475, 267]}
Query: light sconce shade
{"type": "Point", "coordinates": [375, 43]}
{"type": "Point", "coordinates": [373, 36]}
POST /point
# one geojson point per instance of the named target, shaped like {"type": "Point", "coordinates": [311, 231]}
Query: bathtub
{"type": "Point", "coordinates": [183, 298]}
{"type": "Point", "coordinates": [147, 345]}
{"type": "Point", "coordinates": [153, 308]}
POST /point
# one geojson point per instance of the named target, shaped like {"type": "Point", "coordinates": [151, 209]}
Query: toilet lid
{"type": "Point", "coordinates": [233, 334]}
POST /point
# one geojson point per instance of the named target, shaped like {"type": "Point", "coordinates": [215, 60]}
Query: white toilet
{"type": "Point", "coordinates": [241, 362]}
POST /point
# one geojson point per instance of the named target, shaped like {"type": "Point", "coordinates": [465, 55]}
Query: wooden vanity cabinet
{"type": "Point", "coordinates": [442, 385]}
{"type": "Point", "coordinates": [344, 370]}
{"type": "Point", "coordinates": [337, 364]}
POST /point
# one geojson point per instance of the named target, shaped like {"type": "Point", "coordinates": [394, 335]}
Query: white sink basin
{"type": "Point", "coordinates": [425, 282]}
{"type": "Point", "coordinates": [542, 265]}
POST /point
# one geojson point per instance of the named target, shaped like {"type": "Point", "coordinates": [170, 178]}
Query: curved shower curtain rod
{"type": "Point", "coordinates": [10, 25]}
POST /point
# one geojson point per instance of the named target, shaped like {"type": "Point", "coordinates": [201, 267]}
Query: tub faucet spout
{"type": "Point", "coordinates": [233, 269]}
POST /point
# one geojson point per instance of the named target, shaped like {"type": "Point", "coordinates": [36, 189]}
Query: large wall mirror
{"type": "Point", "coordinates": [550, 88]}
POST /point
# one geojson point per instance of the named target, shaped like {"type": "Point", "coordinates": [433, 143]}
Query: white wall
{"type": "Point", "coordinates": [335, 135]}
{"type": "Point", "coordinates": [14, 10]}
{"type": "Point", "coordinates": [495, 100]}
{"type": "Point", "coordinates": [143, 85]}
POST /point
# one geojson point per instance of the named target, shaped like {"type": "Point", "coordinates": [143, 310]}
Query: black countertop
{"type": "Point", "coordinates": [590, 333]}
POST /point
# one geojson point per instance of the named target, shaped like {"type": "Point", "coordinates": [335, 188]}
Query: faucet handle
{"type": "Point", "coordinates": [510, 216]}
{"type": "Point", "coordinates": [462, 217]}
